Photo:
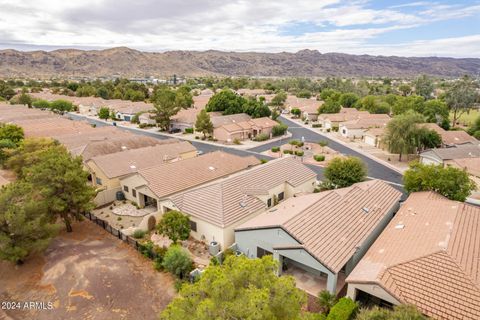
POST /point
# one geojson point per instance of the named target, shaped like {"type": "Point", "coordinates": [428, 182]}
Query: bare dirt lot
{"type": "Point", "coordinates": [87, 274]}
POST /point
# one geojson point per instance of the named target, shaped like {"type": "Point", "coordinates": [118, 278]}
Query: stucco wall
{"type": "Point", "coordinates": [372, 289]}
{"type": "Point", "coordinates": [96, 172]}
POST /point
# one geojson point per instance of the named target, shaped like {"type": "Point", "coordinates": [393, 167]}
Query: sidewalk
{"type": "Point", "coordinates": [299, 122]}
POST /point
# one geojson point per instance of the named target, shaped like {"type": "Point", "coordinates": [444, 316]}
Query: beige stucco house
{"type": "Point", "coordinates": [217, 208]}
{"type": "Point", "coordinates": [428, 257]}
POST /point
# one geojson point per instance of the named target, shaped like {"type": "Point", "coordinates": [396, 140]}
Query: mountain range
{"type": "Point", "coordinates": [126, 62]}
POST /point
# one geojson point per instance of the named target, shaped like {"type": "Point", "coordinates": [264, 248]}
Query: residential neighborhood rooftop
{"type": "Point", "coordinates": [429, 256]}
{"type": "Point", "coordinates": [122, 163]}
{"type": "Point", "coordinates": [166, 179]}
{"type": "Point", "coordinates": [233, 198]}
{"type": "Point", "coordinates": [457, 152]}
{"type": "Point", "coordinates": [330, 225]}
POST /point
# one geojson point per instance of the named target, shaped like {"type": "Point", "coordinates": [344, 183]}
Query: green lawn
{"type": "Point", "coordinates": [467, 118]}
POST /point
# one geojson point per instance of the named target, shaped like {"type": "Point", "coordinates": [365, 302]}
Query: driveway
{"type": "Point", "coordinates": [87, 274]}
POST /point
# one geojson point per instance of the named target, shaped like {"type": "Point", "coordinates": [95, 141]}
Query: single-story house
{"type": "Point", "coordinates": [374, 136]}
{"type": "Point", "coordinates": [439, 156]}
{"type": "Point", "coordinates": [152, 187]}
{"type": "Point", "coordinates": [331, 121]}
{"type": "Point", "coordinates": [186, 118]}
{"type": "Point", "coordinates": [428, 256]}
{"type": "Point", "coordinates": [218, 208]}
{"type": "Point", "coordinates": [324, 234]}
{"type": "Point", "coordinates": [240, 126]}
{"type": "Point", "coordinates": [451, 138]}
{"type": "Point", "coordinates": [147, 118]}
{"type": "Point", "coordinates": [106, 170]}
{"type": "Point", "coordinates": [308, 107]}
{"type": "Point", "coordinates": [355, 129]}
{"type": "Point", "coordinates": [126, 110]}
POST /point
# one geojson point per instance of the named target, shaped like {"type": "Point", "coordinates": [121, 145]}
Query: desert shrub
{"type": "Point", "coordinates": [143, 125]}
{"type": "Point", "coordinates": [263, 161]}
{"type": "Point", "coordinates": [316, 125]}
{"type": "Point", "coordinates": [319, 157]}
{"type": "Point", "coordinates": [188, 130]}
{"type": "Point", "coordinates": [237, 141]}
{"type": "Point", "coordinates": [299, 153]}
{"type": "Point", "coordinates": [279, 130]}
{"type": "Point", "coordinates": [286, 151]}
{"type": "Point", "coordinates": [262, 137]}
{"type": "Point", "coordinates": [146, 249]}
{"type": "Point", "coordinates": [177, 261]}
{"type": "Point", "coordinates": [139, 234]}
{"type": "Point", "coordinates": [275, 149]}
{"type": "Point", "coordinates": [344, 309]}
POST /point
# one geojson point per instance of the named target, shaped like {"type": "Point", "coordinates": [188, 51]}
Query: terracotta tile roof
{"type": "Point", "coordinates": [366, 123]}
{"type": "Point", "coordinates": [219, 121]}
{"type": "Point", "coordinates": [188, 173]}
{"type": "Point", "coordinates": [305, 105]}
{"type": "Point", "coordinates": [97, 147]}
{"type": "Point", "coordinates": [264, 122]}
{"type": "Point", "coordinates": [231, 199]}
{"type": "Point", "coordinates": [122, 163]}
{"type": "Point", "coordinates": [471, 165]}
{"type": "Point", "coordinates": [375, 132]}
{"type": "Point", "coordinates": [189, 116]}
{"type": "Point", "coordinates": [456, 152]}
{"type": "Point", "coordinates": [429, 255]}
{"type": "Point", "coordinates": [451, 137]}
{"type": "Point", "coordinates": [330, 225]}
{"type": "Point", "coordinates": [53, 127]}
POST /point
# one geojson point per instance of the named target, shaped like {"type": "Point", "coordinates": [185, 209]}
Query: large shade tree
{"type": "Point", "coordinates": [401, 134]}
{"type": "Point", "coordinates": [343, 172]}
{"type": "Point", "coordinates": [241, 288]}
{"type": "Point", "coordinates": [460, 98]}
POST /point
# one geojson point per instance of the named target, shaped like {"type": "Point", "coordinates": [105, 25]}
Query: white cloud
{"type": "Point", "coordinates": [240, 25]}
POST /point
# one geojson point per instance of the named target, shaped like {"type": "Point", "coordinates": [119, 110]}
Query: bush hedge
{"type": "Point", "coordinates": [275, 149]}
{"type": "Point", "coordinates": [319, 157]}
{"type": "Point", "coordinates": [188, 130]}
{"type": "Point", "coordinates": [299, 153]}
{"type": "Point", "coordinates": [344, 309]}
{"type": "Point", "coordinates": [262, 137]}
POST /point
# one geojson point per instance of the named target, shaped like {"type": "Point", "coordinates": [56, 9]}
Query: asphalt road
{"type": "Point", "coordinates": [375, 169]}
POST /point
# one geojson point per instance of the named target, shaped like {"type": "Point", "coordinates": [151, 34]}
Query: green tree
{"type": "Point", "coordinates": [348, 100]}
{"type": "Point", "coordinates": [175, 225]}
{"type": "Point", "coordinates": [405, 89]}
{"type": "Point", "coordinates": [475, 128]}
{"type": "Point", "coordinates": [227, 102]}
{"type": "Point", "coordinates": [62, 182]}
{"type": "Point", "coordinates": [424, 86]}
{"type": "Point", "coordinates": [279, 99]}
{"type": "Point", "coordinates": [28, 153]}
{"type": "Point", "coordinates": [11, 132]}
{"type": "Point", "coordinates": [401, 135]}
{"type": "Point", "coordinates": [203, 123]}
{"type": "Point", "coordinates": [25, 99]}
{"type": "Point", "coordinates": [296, 112]}
{"type": "Point", "coordinates": [177, 261]}
{"type": "Point", "coordinates": [344, 309]}
{"type": "Point", "coordinates": [450, 182]}
{"type": "Point", "coordinates": [41, 104]}
{"type": "Point", "coordinates": [61, 105]}
{"type": "Point", "coordinates": [330, 106]}
{"type": "Point", "coordinates": [104, 113]}
{"type": "Point", "coordinates": [25, 225]}
{"type": "Point", "coordinates": [168, 103]}
{"type": "Point", "coordinates": [400, 312]}
{"type": "Point", "coordinates": [436, 111]}
{"type": "Point", "coordinates": [460, 98]}
{"type": "Point", "coordinates": [279, 130]}
{"type": "Point", "coordinates": [329, 93]}
{"type": "Point", "coordinates": [326, 300]}
{"type": "Point", "coordinates": [304, 93]}
{"type": "Point", "coordinates": [405, 104]}
{"type": "Point", "coordinates": [241, 288]}
{"type": "Point", "coordinates": [343, 172]}
{"type": "Point", "coordinates": [428, 139]}
{"type": "Point", "coordinates": [6, 92]}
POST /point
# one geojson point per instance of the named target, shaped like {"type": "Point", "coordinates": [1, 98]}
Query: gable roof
{"type": "Point", "coordinates": [231, 199]}
{"type": "Point", "coordinates": [122, 163]}
{"type": "Point", "coordinates": [166, 179]}
{"type": "Point", "coordinates": [450, 137]}
{"type": "Point", "coordinates": [429, 255]}
{"type": "Point", "coordinates": [219, 121]}
{"type": "Point", "coordinates": [455, 152]}
{"type": "Point", "coordinates": [331, 225]}
{"type": "Point", "coordinates": [368, 122]}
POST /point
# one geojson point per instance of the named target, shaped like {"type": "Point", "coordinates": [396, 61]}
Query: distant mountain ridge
{"type": "Point", "coordinates": [127, 62]}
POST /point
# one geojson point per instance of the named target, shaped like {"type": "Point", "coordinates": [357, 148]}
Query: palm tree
{"type": "Point", "coordinates": [326, 300]}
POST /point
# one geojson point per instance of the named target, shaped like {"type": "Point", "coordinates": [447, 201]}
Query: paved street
{"type": "Point", "coordinates": [375, 169]}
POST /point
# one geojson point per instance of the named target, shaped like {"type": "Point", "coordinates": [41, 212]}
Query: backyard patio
{"type": "Point", "coordinates": [310, 283]}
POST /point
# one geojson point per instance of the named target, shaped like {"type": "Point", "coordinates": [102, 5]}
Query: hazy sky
{"type": "Point", "coordinates": [422, 28]}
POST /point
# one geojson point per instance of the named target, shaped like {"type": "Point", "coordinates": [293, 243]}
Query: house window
{"type": "Point", "coordinates": [281, 196]}
{"type": "Point", "coordinates": [269, 202]}
{"type": "Point", "coordinates": [98, 181]}
{"type": "Point", "coordinates": [134, 193]}
{"type": "Point", "coordinates": [125, 188]}
{"type": "Point", "coordinates": [193, 226]}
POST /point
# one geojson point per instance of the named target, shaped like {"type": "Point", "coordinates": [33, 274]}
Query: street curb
{"type": "Point", "coordinates": [383, 162]}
